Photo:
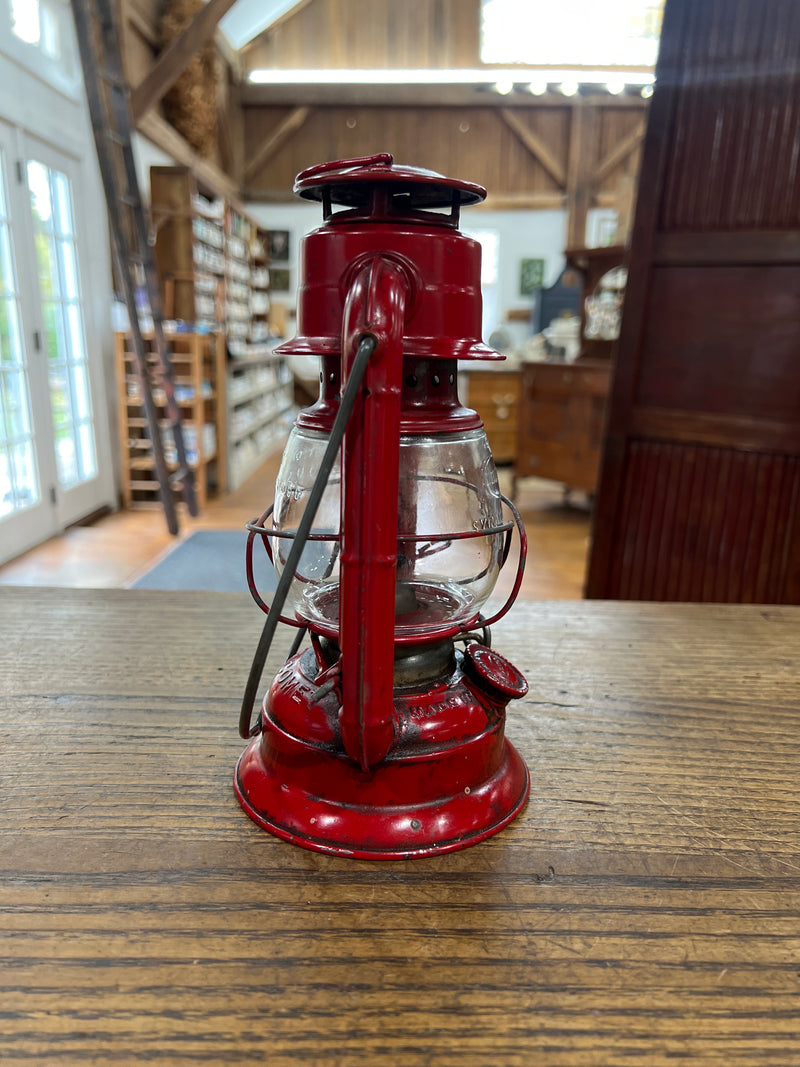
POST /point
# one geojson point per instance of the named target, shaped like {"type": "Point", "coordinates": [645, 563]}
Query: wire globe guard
{"type": "Point", "coordinates": [375, 763]}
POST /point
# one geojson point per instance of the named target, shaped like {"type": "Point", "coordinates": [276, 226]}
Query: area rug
{"type": "Point", "coordinates": [211, 560]}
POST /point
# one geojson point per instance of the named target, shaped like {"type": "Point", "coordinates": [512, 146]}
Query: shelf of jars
{"type": "Point", "coordinates": [199, 378]}
{"type": "Point", "coordinates": [260, 409]}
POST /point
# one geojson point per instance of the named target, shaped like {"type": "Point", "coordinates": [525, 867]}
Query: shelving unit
{"type": "Point", "coordinates": [259, 293]}
{"type": "Point", "coordinates": [238, 232]}
{"type": "Point", "coordinates": [260, 396]}
{"type": "Point", "coordinates": [214, 269]}
{"type": "Point", "coordinates": [198, 362]}
{"type": "Point", "coordinates": [190, 247]}
{"type": "Point", "coordinates": [592, 264]}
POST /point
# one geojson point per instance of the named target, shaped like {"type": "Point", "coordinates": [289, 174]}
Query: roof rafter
{"type": "Point", "coordinates": [172, 62]}
{"type": "Point", "coordinates": [536, 146]}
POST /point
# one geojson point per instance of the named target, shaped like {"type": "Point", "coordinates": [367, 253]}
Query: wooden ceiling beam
{"type": "Point", "coordinates": [536, 146]}
{"type": "Point", "coordinates": [290, 125]}
{"type": "Point", "coordinates": [621, 150]}
{"type": "Point", "coordinates": [167, 138]}
{"type": "Point", "coordinates": [528, 201]}
{"type": "Point", "coordinates": [355, 95]}
{"type": "Point", "coordinates": [130, 13]}
{"type": "Point", "coordinates": [172, 62]}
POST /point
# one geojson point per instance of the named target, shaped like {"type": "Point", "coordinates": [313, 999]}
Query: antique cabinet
{"type": "Point", "coordinates": [495, 396]}
{"type": "Point", "coordinates": [561, 419]}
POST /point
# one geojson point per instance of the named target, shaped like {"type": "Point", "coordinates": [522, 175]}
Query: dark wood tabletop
{"type": "Point", "coordinates": [644, 908]}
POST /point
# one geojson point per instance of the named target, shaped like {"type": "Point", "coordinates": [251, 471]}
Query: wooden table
{"type": "Point", "coordinates": [644, 908]}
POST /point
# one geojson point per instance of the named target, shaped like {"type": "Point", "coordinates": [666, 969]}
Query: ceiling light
{"type": "Point", "coordinates": [504, 86]}
{"type": "Point", "coordinates": [647, 91]}
{"type": "Point", "coordinates": [568, 88]}
{"type": "Point", "coordinates": [537, 88]}
{"type": "Point", "coordinates": [439, 76]}
{"type": "Point", "coordinates": [615, 86]}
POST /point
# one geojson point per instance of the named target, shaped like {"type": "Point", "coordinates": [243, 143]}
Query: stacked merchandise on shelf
{"type": "Point", "coordinates": [214, 267]}
{"type": "Point", "coordinates": [209, 265]}
{"type": "Point", "coordinates": [260, 397]}
{"type": "Point", "coordinates": [260, 341]}
{"type": "Point", "coordinates": [237, 284]}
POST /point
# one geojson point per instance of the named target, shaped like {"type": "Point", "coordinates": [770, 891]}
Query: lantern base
{"type": "Point", "coordinates": [375, 831]}
{"type": "Point", "coordinates": [450, 781]}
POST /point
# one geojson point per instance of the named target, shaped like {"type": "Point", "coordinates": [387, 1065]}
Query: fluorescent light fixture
{"type": "Point", "coordinates": [484, 76]}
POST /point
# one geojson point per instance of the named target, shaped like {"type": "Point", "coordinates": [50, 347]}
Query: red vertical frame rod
{"type": "Point", "coordinates": [375, 305]}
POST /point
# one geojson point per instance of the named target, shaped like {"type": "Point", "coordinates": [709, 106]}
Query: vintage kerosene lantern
{"type": "Point", "coordinates": [385, 738]}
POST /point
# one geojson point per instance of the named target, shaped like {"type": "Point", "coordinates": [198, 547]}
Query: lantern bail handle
{"type": "Point", "coordinates": [367, 345]}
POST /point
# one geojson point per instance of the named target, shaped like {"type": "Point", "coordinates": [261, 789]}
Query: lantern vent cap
{"type": "Point", "coordinates": [351, 183]}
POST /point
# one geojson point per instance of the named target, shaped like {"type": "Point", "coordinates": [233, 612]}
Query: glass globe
{"type": "Point", "coordinates": [450, 532]}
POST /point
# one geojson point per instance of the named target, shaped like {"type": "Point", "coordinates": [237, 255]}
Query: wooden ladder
{"type": "Point", "coordinates": [109, 106]}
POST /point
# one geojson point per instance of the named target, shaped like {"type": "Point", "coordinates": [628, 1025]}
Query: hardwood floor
{"type": "Point", "coordinates": [114, 551]}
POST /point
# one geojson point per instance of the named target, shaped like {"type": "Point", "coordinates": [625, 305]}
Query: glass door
{"type": "Point", "coordinates": [25, 517]}
{"type": "Point", "coordinates": [53, 469]}
{"type": "Point", "coordinates": [63, 334]}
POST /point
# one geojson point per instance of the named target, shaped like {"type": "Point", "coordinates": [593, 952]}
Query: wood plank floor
{"type": "Point", "coordinates": [114, 551]}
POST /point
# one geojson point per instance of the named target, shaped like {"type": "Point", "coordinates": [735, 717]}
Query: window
{"type": "Point", "coordinates": [40, 36]}
{"type": "Point", "coordinates": [37, 22]}
{"type": "Point", "coordinates": [489, 240]}
{"type": "Point", "coordinates": [571, 33]}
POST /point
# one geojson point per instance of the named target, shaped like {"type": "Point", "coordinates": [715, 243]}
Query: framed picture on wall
{"type": "Point", "coordinates": [279, 279]}
{"type": "Point", "coordinates": [278, 245]}
{"type": "Point", "coordinates": [531, 276]}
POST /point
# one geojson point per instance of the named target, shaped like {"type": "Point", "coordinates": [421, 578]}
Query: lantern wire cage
{"type": "Point", "coordinates": [265, 529]}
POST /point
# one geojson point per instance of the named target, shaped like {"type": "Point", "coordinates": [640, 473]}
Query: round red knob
{"type": "Point", "coordinates": [494, 672]}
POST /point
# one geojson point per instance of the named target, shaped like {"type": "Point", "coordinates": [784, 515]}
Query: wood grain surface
{"type": "Point", "coordinates": [644, 908]}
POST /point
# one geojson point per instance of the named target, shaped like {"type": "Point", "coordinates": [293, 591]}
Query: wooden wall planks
{"type": "Point", "coordinates": [471, 142]}
{"type": "Point", "coordinates": [373, 34]}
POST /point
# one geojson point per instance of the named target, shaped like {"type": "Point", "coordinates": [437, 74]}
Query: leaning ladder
{"type": "Point", "coordinates": [109, 107]}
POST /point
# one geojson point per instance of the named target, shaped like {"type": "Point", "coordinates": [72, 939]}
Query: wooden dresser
{"type": "Point", "coordinates": [494, 394]}
{"type": "Point", "coordinates": [561, 419]}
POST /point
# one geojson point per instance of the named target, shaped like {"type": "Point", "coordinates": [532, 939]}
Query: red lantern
{"type": "Point", "coordinates": [383, 739]}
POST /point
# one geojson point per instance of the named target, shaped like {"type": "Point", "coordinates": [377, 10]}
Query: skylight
{"type": "Point", "coordinates": [571, 33]}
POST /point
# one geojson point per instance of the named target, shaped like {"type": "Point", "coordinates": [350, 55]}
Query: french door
{"type": "Point", "coordinates": [54, 464]}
